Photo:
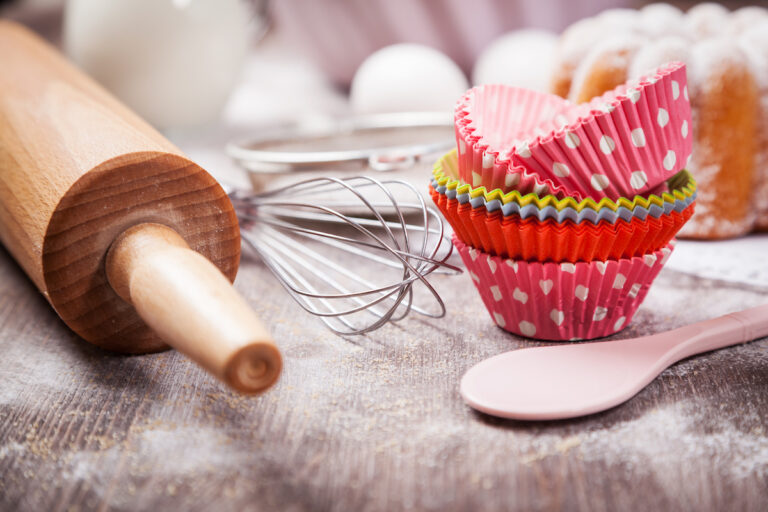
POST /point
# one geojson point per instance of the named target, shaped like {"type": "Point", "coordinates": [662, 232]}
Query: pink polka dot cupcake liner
{"type": "Point", "coordinates": [490, 121]}
{"type": "Point", "coordinates": [627, 142]}
{"type": "Point", "coordinates": [562, 301]}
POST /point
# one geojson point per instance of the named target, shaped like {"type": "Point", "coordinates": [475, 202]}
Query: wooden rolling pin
{"type": "Point", "coordinates": [134, 245]}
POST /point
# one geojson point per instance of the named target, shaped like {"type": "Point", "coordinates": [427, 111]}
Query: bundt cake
{"type": "Point", "coordinates": [727, 58]}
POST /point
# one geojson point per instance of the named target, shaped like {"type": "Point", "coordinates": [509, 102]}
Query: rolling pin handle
{"type": "Point", "coordinates": [192, 306]}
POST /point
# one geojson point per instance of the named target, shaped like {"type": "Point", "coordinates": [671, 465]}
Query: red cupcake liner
{"type": "Point", "coordinates": [535, 240]}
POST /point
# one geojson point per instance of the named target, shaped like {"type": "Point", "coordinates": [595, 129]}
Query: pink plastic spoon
{"type": "Point", "coordinates": [565, 381]}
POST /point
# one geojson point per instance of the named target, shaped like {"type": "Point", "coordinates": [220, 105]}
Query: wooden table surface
{"type": "Point", "coordinates": [370, 423]}
{"type": "Point", "coordinates": [373, 422]}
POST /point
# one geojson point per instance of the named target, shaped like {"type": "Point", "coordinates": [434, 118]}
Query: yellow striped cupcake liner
{"type": "Point", "coordinates": [682, 186]}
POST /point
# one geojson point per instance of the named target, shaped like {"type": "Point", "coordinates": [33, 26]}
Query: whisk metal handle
{"type": "Point", "coordinates": [192, 306]}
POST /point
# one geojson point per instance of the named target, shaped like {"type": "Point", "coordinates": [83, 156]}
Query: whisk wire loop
{"type": "Point", "coordinates": [314, 234]}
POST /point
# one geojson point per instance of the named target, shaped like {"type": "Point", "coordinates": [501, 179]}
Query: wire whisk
{"type": "Point", "coordinates": [349, 250]}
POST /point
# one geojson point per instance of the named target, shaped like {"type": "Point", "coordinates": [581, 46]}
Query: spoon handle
{"type": "Point", "coordinates": [724, 331]}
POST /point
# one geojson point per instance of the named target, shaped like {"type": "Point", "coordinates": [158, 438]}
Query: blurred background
{"type": "Point", "coordinates": [177, 61]}
{"type": "Point", "coordinates": [333, 36]}
{"type": "Point", "coordinates": [207, 71]}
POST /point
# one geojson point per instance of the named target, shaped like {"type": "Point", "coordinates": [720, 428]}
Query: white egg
{"type": "Point", "coordinates": [407, 77]}
{"type": "Point", "coordinates": [523, 58]}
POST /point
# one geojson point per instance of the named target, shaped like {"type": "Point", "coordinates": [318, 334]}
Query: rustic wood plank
{"type": "Point", "coordinates": [371, 423]}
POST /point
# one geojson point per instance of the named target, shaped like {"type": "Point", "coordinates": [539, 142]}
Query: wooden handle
{"type": "Point", "coordinates": [191, 305]}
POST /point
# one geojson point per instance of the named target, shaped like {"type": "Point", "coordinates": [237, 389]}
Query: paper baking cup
{"type": "Point", "coordinates": [534, 240]}
{"type": "Point", "coordinates": [568, 213]}
{"type": "Point", "coordinates": [681, 192]}
{"type": "Point", "coordinates": [562, 301]}
{"type": "Point", "coordinates": [626, 142]}
{"type": "Point", "coordinates": [484, 160]}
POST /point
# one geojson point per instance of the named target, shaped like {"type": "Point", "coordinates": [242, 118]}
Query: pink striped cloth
{"type": "Point", "coordinates": [340, 34]}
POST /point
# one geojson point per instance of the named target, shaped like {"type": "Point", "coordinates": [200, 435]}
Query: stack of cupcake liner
{"type": "Point", "coordinates": [547, 229]}
{"type": "Point", "coordinates": [565, 214]}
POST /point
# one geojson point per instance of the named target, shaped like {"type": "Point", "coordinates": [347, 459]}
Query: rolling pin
{"type": "Point", "coordinates": [133, 245]}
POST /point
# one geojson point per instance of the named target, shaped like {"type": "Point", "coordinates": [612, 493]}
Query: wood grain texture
{"type": "Point", "coordinates": [123, 192]}
{"type": "Point", "coordinates": [77, 168]}
{"type": "Point", "coordinates": [192, 306]}
{"type": "Point", "coordinates": [370, 423]}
